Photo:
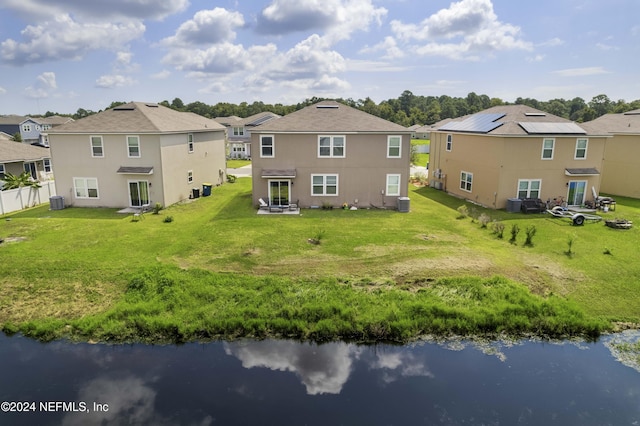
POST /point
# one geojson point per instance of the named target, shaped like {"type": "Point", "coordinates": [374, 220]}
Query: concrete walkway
{"type": "Point", "coordinates": [244, 171]}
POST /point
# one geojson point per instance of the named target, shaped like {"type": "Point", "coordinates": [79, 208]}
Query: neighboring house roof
{"type": "Point", "coordinates": [139, 117]}
{"type": "Point", "coordinates": [12, 119]}
{"type": "Point", "coordinates": [625, 123]}
{"type": "Point", "coordinates": [56, 120]}
{"type": "Point", "coordinates": [330, 116]}
{"type": "Point", "coordinates": [511, 120]}
{"type": "Point", "coordinates": [257, 119]}
{"type": "Point", "coordinates": [11, 152]}
{"type": "Point", "coordinates": [415, 127]}
{"type": "Point", "coordinates": [5, 136]}
{"type": "Point", "coordinates": [228, 121]}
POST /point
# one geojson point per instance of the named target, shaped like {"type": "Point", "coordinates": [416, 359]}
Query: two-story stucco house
{"type": "Point", "coordinates": [621, 166]}
{"type": "Point", "coordinates": [330, 154]}
{"type": "Point", "coordinates": [136, 154]}
{"type": "Point", "coordinates": [239, 132]}
{"type": "Point", "coordinates": [515, 152]}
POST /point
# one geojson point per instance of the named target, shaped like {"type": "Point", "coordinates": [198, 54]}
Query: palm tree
{"type": "Point", "coordinates": [12, 181]}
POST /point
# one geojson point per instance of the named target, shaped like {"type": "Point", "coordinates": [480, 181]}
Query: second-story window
{"type": "Point", "coordinates": [394, 147]}
{"type": "Point", "coordinates": [238, 131]}
{"type": "Point", "coordinates": [97, 149]}
{"type": "Point", "coordinates": [133, 146]}
{"type": "Point", "coordinates": [190, 142]}
{"type": "Point", "coordinates": [26, 127]}
{"type": "Point", "coordinates": [581, 149]}
{"type": "Point", "coordinates": [547, 149]}
{"type": "Point", "coordinates": [267, 146]}
{"type": "Point", "coordinates": [331, 146]}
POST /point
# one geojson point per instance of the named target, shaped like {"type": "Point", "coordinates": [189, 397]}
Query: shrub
{"type": "Point", "coordinates": [498, 228]}
{"type": "Point", "coordinates": [231, 178]}
{"type": "Point", "coordinates": [463, 212]}
{"type": "Point", "coordinates": [168, 219]}
{"type": "Point", "coordinates": [515, 229]}
{"type": "Point", "coordinates": [484, 220]}
{"type": "Point", "coordinates": [156, 208]}
{"type": "Point", "coordinates": [530, 231]}
{"type": "Point", "coordinates": [570, 241]}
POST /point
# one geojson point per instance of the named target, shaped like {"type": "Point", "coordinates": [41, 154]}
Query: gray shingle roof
{"type": "Point", "coordinates": [625, 123]}
{"type": "Point", "coordinates": [330, 116]}
{"type": "Point", "coordinates": [513, 115]}
{"type": "Point", "coordinates": [139, 117]}
{"type": "Point", "coordinates": [11, 152]}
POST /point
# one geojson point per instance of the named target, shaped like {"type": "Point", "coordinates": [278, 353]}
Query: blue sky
{"type": "Point", "coordinates": [67, 54]}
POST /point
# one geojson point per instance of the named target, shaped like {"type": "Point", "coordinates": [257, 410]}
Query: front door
{"type": "Point", "coordinates": [577, 190]}
{"type": "Point", "coordinates": [138, 193]}
{"type": "Point", "coordinates": [279, 192]}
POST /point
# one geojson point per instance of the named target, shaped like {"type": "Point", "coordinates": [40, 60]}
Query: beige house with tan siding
{"type": "Point", "coordinates": [621, 165]}
{"type": "Point", "coordinates": [136, 154]}
{"type": "Point", "coordinates": [515, 152]}
{"type": "Point", "coordinates": [330, 154]}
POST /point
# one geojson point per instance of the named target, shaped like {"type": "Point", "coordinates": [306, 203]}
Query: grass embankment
{"type": "Point", "coordinates": [220, 270]}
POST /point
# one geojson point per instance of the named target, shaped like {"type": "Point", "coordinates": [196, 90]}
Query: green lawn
{"type": "Point", "coordinates": [219, 269]}
{"type": "Point", "coordinates": [235, 164]}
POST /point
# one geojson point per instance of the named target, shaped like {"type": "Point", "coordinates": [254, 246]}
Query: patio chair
{"type": "Point", "coordinates": [263, 204]}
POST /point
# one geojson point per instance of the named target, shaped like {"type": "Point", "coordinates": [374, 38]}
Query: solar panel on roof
{"type": "Point", "coordinates": [552, 128]}
{"type": "Point", "coordinates": [477, 123]}
{"type": "Point", "coordinates": [261, 120]}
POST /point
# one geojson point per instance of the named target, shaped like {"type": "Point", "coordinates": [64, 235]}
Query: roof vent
{"type": "Point", "coordinates": [330, 106]}
{"type": "Point", "coordinates": [124, 108]}
{"type": "Point", "coordinates": [152, 105]}
{"type": "Point", "coordinates": [535, 114]}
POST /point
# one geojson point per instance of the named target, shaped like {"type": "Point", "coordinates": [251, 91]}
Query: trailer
{"type": "Point", "coordinates": [577, 218]}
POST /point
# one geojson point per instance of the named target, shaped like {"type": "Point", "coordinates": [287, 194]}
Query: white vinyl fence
{"type": "Point", "coordinates": [22, 198]}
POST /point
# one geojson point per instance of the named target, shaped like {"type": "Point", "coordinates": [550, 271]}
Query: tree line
{"type": "Point", "coordinates": [409, 109]}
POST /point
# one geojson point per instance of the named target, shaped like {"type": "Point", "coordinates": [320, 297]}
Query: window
{"type": "Point", "coordinates": [2, 172]}
{"type": "Point", "coordinates": [190, 142]}
{"type": "Point", "coordinates": [547, 149]}
{"type": "Point", "coordinates": [47, 165]}
{"type": "Point", "coordinates": [324, 184]}
{"type": "Point", "coordinates": [26, 127]}
{"type": "Point", "coordinates": [133, 146]}
{"type": "Point", "coordinates": [394, 147]}
{"type": "Point", "coordinates": [190, 176]}
{"type": "Point", "coordinates": [466, 181]}
{"type": "Point", "coordinates": [529, 188]}
{"type": "Point", "coordinates": [331, 146]}
{"type": "Point", "coordinates": [449, 142]}
{"type": "Point", "coordinates": [85, 187]}
{"type": "Point", "coordinates": [45, 140]}
{"type": "Point", "coordinates": [238, 131]}
{"type": "Point", "coordinates": [97, 149]}
{"type": "Point", "coordinates": [393, 185]}
{"type": "Point", "coordinates": [266, 146]}
{"type": "Point", "coordinates": [581, 149]}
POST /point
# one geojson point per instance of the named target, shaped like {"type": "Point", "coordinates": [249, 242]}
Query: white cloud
{"type": "Point", "coordinates": [581, 72]}
{"type": "Point", "coordinates": [468, 29]}
{"type": "Point", "coordinates": [3, 90]}
{"type": "Point", "coordinates": [389, 46]}
{"type": "Point", "coordinates": [219, 58]}
{"type": "Point", "coordinates": [337, 18]}
{"type": "Point", "coordinates": [161, 75]}
{"type": "Point", "coordinates": [65, 38]}
{"type": "Point", "coordinates": [102, 10]}
{"type": "Point", "coordinates": [603, 46]}
{"type": "Point", "coordinates": [207, 27]}
{"type": "Point", "coordinates": [552, 42]}
{"type": "Point", "coordinates": [114, 80]}
{"type": "Point", "coordinates": [44, 86]}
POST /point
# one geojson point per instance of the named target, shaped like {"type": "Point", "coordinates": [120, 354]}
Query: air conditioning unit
{"type": "Point", "coordinates": [438, 173]}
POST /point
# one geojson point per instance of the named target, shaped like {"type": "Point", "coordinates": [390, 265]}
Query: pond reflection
{"type": "Point", "coordinates": [285, 382]}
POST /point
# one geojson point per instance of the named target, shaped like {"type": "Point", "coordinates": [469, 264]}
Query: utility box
{"type": "Point", "coordinates": [195, 193]}
{"type": "Point", "coordinates": [514, 205]}
{"type": "Point", "coordinates": [56, 202]}
{"type": "Point", "coordinates": [403, 204]}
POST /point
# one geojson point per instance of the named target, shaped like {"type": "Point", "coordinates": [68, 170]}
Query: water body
{"type": "Point", "coordinates": [280, 382]}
